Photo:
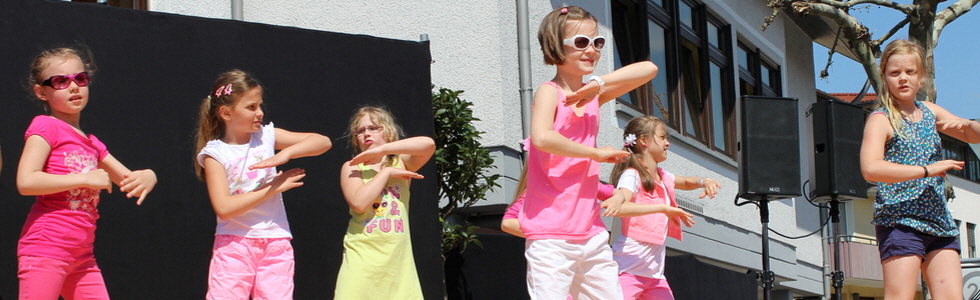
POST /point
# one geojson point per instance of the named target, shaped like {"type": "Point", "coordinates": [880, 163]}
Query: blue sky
{"type": "Point", "coordinates": [957, 59]}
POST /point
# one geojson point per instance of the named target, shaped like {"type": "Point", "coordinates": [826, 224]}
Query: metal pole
{"type": "Point", "coordinates": [837, 276]}
{"type": "Point", "coordinates": [768, 278]}
{"type": "Point", "coordinates": [524, 66]}
{"type": "Point", "coordinates": [237, 10]}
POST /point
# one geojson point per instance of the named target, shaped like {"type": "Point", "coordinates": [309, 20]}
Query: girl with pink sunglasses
{"type": "Point", "coordinates": [66, 169]}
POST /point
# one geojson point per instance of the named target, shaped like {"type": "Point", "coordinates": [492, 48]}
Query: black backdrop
{"type": "Point", "coordinates": [153, 71]}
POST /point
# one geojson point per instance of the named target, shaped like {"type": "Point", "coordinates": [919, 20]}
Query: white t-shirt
{"type": "Point", "coordinates": [636, 257]}
{"type": "Point", "coordinates": [267, 219]}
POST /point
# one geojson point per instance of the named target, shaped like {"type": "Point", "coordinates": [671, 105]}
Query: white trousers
{"type": "Point", "coordinates": [582, 269]}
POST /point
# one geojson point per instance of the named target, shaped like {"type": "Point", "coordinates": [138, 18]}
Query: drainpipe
{"type": "Point", "coordinates": [237, 10]}
{"type": "Point", "coordinates": [524, 66]}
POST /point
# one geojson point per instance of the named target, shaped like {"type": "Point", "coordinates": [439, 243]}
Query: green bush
{"type": "Point", "coordinates": [462, 162]}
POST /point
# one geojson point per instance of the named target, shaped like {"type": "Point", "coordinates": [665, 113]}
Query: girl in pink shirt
{"type": "Point", "coordinates": [639, 250]}
{"type": "Point", "coordinates": [566, 239]}
{"type": "Point", "coordinates": [66, 169]}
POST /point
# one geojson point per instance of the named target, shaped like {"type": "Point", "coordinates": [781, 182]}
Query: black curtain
{"type": "Point", "coordinates": [153, 71]}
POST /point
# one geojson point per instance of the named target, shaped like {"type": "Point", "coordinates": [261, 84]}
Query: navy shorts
{"type": "Point", "coordinates": [906, 241]}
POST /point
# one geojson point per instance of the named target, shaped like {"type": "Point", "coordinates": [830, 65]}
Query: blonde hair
{"type": "Point", "coordinates": [210, 126]}
{"type": "Point", "coordinates": [886, 100]}
{"type": "Point", "coordinates": [552, 31]}
{"type": "Point", "coordinates": [381, 117]}
{"type": "Point", "coordinates": [639, 126]}
{"type": "Point", "coordinates": [45, 58]}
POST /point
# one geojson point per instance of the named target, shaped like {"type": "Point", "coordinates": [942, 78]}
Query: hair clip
{"type": "Point", "coordinates": [224, 90]}
{"type": "Point", "coordinates": [629, 141]}
{"type": "Point", "coordinates": [564, 10]}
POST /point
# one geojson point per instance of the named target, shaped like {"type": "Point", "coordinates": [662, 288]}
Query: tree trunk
{"type": "Point", "coordinates": [921, 31]}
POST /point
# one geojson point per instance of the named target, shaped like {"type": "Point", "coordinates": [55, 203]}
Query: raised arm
{"type": "Point", "coordinates": [294, 145]}
{"type": "Point", "coordinates": [874, 167]}
{"type": "Point", "coordinates": [951, 125]}
{"type": "Point", "coordinates": [227, 206]}
{"type": "Point", "coordinates": [617, 83]}
{"type": "Point", "coordinates": [359, 195]}
{"type": "Point", "coordinates": [135, 183]}
{"type": "Point", "coordinates": [33, 181]}
{"type": "Point", "coordinates": [413, 151]}
{"type": "Point", "coordinates": [545, 138]}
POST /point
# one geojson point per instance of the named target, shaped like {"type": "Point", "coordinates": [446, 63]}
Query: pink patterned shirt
{"type": "Point", "coordinates": [62, 225]}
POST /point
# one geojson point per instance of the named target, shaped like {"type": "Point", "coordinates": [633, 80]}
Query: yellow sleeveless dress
{"type": "Point", "coordinates": [378, 261]}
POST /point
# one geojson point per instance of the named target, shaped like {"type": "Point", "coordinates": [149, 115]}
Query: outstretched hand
{"type": "Point", "coordinates": [287, 180]}
{"type": "Point", "coordinates": [608, 154]}
{"type": "Point", "coordinates": [274, 161]}
{"type": "Point", "coordinates": [402, 173]}
{"type": "Point", "coordinates": [582, 96]}
{"type": "Point", "coordinates": [953, 123]}
{"type": "Point", "coordinates": [674, 213]}
{"type": "Point", "coordinates": [98, 179]}
{"type": "Point", "coordinates": [368, 156]}
{"type": "Point", "coordinates": [612, 206]}
{"type": "Point", "coordinates": [138, 183]}
{"type": "Point", "coordinates": [940, 168]}
{"type": "Point", "coordinates": [711, 188]}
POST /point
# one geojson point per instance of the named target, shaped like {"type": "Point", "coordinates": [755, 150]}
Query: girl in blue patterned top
{"type": "Point", "coordinates": [902, 152]}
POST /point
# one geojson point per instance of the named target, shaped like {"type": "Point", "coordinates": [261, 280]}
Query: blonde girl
{"type": "Point", "coordinates": [902, 151]}
{"type": "Point", "coordinates": [66, 169]}
{"type": "Point", "coordinates": [652, 214]}
{"type": "Point", "coordinates": [237, 159]}
{"type": "Point", "coordinates": [378, 262]}
{"type": "Point", "coordinates": [560, 218]}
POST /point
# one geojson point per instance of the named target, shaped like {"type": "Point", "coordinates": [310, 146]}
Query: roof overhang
{"type": "Point", "coordinates": [822, 31]}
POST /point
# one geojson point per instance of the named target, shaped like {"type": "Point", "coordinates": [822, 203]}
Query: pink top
{"type": "Point", "coordinates": [605, 191]}
{"type": "Point", "coordinates": [62, 225]}
{"type": "Point", "coordinates": [654, 228]}
{"type": "Point", "coordinates": [562, 201]}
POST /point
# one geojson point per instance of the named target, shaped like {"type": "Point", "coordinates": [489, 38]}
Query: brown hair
{"type": "Point", "coordinates": [46, 57]}
{"type": "Point", "coordinates": [639, 126]}
{"type": "Point", "coordinates": [885, 100]}
{"type": "Point", "coordinates": [381, 117]}
{"type": "Point", "coordinates": [552, 31]}
{"type": "Point", "coordinates": [210, 126]}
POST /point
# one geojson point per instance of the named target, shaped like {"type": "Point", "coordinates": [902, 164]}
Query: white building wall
{"type": "Point", "coordinates": [474, 48]}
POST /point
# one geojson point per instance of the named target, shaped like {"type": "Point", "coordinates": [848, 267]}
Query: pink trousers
{"type": "Point", "coordinates": [46, 278]}
{"type": "Point", "coordinates": [240, 267]}
{"type": "Point", "coordinates": [645, 288]}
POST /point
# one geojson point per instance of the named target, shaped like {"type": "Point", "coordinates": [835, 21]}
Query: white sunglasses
{"type": "Point", "coordinates": [582, 42]}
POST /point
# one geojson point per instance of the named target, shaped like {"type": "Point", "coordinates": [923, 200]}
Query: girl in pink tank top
{"type": "Point", "coordinates": [560, 217]}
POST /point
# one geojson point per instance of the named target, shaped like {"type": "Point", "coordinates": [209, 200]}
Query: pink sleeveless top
{"type": "Point", "coordinates": [560, 201]}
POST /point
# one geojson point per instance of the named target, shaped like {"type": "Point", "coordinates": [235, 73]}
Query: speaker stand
{"type": "Point", "coordinates": [767, 276]}
{"type": "Point", "coordinates": [837, 276]}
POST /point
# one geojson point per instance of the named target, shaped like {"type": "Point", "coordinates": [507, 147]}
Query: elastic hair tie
{"type": "Point", "coordinates": [564, 10]}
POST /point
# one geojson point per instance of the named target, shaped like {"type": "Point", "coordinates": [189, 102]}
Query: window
{"type": "Point", "coordinates": [971, 237]}
{"type": "Point", "coordinates": [959, 150]}
{"type": "Point", "coordinates": [757, 75]}
{"type": "Point", "coordinates": [693, 91]}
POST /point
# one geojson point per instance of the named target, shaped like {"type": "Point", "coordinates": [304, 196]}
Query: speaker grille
{"type": "Point", "coordinates": [769, 148]}
{"type": "Point", "coordinates": [837, 133]}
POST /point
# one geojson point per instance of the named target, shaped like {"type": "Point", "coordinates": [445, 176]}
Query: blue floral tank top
{"type": "Point", "coordinates": [918, 203]}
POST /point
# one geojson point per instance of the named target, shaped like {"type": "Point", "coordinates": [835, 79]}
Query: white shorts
{"type": "Point", "coordinates": [582, 269]}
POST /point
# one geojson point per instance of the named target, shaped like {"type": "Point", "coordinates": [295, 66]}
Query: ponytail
{"type": "Point", "coordinates": [639, 126]}
{"type": "Point", "coordinates": [226, 91]}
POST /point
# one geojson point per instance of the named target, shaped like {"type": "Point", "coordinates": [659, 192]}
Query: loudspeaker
{"type": "Point", "coordinates": [769, 148]}
{"type": "Point", "coordinates": [838, 129]}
